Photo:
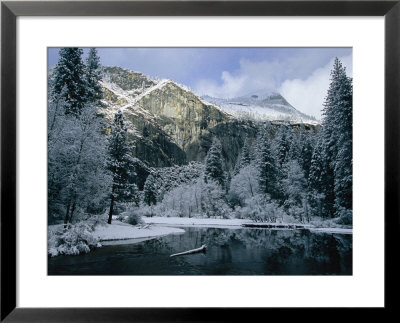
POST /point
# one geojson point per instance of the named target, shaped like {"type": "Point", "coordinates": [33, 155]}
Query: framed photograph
{"type": "Point", "coordinates": [180, 155]}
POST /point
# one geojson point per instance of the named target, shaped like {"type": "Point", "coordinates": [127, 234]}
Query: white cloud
{"type": "Point", "coordinates": [308, 95]}
{"type": "Point", "coordinates": [251, 76]}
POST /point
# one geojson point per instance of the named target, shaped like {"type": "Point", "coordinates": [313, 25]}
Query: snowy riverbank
{"type": "Point", "coordinates": [83, 237]}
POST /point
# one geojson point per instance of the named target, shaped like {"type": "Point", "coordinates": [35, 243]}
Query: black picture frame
{"type": "Point", "coordinates": [10, 10]}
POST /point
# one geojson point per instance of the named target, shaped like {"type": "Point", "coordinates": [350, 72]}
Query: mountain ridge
{"type": "Point", "coordinates": [270, 106]}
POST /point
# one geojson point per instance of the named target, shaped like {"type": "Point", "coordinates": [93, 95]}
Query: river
{"type": "Point", "coordinates": [244, 251]}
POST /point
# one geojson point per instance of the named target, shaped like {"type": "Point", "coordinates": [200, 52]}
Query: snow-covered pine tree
{"type": "Point", "coordinates": [338, 133]}
{"type": "Point", "coordinates": [244, 157]}
{"type": "Point", "coordinates": [150, 190]}
{"type": "Point", "coordinates": [337, 112]}
{"type": "Point", "coordinates": [94, 90]}
{"type": "Point", "coordinates": [319, 180]}
{"type": "Point", "coordinates": [120, 164]}
{"type": "Point", "coordinates": [344, 184]}
{"type": "Point", "coordinates": [306, 151]}
{"type": "Point", "coordinates": [69, 73]}
{"type": "Point", "coordinates": [282, 144]}
{"type": "Point", "coordinates": [283, 150]}
{"type": "Point", "coordinates": [267, 166]}
{"type": "Point", "coordinates": [213, 164]}
{"type": "Point", "coordinates": [296, 143]}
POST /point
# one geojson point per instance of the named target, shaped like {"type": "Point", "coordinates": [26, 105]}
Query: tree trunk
{"type": "Point", "coordinates": [111, 206]}
{"type": "Point", "coordinates": [251, 187]}
{"type": "Point", "coordinates": [67, 215]}
{"type": "Point", "coordinates": [72, 211]}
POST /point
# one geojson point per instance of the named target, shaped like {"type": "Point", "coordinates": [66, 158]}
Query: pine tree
{"type": "Point", "coordinates": [244, 157]}
{"type": "Point", "coordinates": [337, 110]}
{"type": "Point", "coordinates": [150, 190]}
{"type": "Point", "coordinates": [120, 164]}
{"type": "Point", "coordinates": [321, 196]}
{"type": "Point", "coordinates": [69, 73]}
{"type": "Point", "coordinates": [338, 134]}
{"type": "Point", "coordinates": [266, 165]}
{"type": "Point", "coordinates": [213, 164]}
{"type": "Point", "coordinates": [94, 92]}
{"type": "Point", "coordinates": [282, 144]}
{"type": "Point", "coordinates": [306, 152]}
{"type": "Point", "coordinates": [344, 180]}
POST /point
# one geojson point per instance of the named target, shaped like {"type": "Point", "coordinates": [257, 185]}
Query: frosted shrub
{"type": "Point", "coordinates": [260, 208]}
{"type": "Point", "coordinates": [133, 217]}
{"type": "Point", "coordinates": [73, 240]}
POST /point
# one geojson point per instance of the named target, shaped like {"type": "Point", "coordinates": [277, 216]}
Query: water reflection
{"type": "Point", "coordinates": [229, 252]}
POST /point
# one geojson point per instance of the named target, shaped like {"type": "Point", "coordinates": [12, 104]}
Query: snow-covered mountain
{"type": "Point", "coordinates": [262, 106]}
{"type": "Point", "coordinates": [171, 125]}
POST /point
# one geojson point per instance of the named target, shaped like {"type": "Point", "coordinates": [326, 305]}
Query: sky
{"type": "Point", "coordinates": [301, 75]}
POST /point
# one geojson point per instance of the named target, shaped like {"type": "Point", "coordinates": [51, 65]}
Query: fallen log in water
{"type": "Point", "coordinates": [201, 249]}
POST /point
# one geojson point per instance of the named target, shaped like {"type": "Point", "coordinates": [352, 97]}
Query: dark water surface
{"type": "Point", "coordinates": [229, 252]}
